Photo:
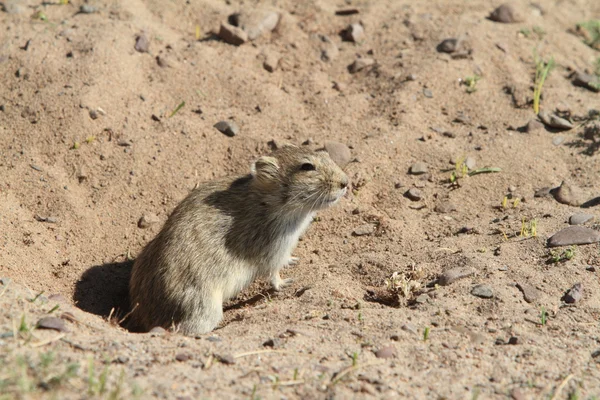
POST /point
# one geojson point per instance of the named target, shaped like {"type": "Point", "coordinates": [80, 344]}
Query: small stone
{"type": "Point", "coordinates": [225, 359]}
{"type": "Point", "coordinates": [448, 45]}
{"type": "Point", "coordinates": [505, 14]}
{"type": "Point", "coordinates": [530, 293]}
{"type": "Point", "coordinates": [232, 34]}
{"type": "Point", "coordinates": [339, 153]}
{"type": "Point", "coordinates": [574, 235]}
{"type": "Point", "coordinates": [543, 192]}
{"type": "Point", "coordinates": [470, 162]}
{"type": "Point", "coordinates": [588, 81]}
{"type": "Point", "coordinates": [574, 295]}
{"type": "Point", "coordinates": [513, 340]}
{"type": "Point", "coordinates": [444, 207]}
{"type": "Point", "coordinates": [271, 61]}
{"type": "Point", "coordinates": [353, 33]}
{"type": "Point", "coordinates": [213, 339]}
{"type": "Point", "coordinates": [228, 128]}
{"type": "Point", "coordinates": [418, 168]}
{"type": "Point", "coordinates": [122, 359]}
{"type": "Point", "coordinates": [360, 64]}
{"type": "Point", "coordinates": [255, 22]}
{"type": "Point", "coordinates": [183, 357]}
{"type": "Point", "coordinates": [558, 140]}
{"type": "Point", "coordinates": [52, 323]}
{"type": "Point", "coordinates": [568, 194]}
{"type": "Point", "coordinates": [162, 62]}
{"type": "Point", "coordinates": [422, 299]}
{"type": "Point", "coordinates": [273, 343]}
{"type": "Point", "coordinates": [386, 352]}
{"type": "Point", "coordinates": [454, 274]}
{"type": "Point", "coordinates": [87, 9]}
{"type": "Point", "coordinates": [590, 268]}
{"type": "Point", "coordinates": [347, 11]}
{"type": "Point", "coordinates": [147, 220]}
{"type": "Point", "coordinates": [409, 328]}
{"type": "Point", "coordinates": [427, 93]}
{"type": "Point", "coordinates": [555, 121]}
{"type": "Point", "coordinates": [533, 126]}
{"type": "Point", "coordinates": [142, 43]}
{"type": "Point", "coordinates": [93, 114]}
{"type": "Point", "coordinates": [449, 134]}
{"type": "Point", "coordinates": [364, 230]}
{"type": "Point", "coordinates": [125, 142]}
{"type": "Point", "coordinates": [580, 218]}
{"type": "Point", "coordinates": [483, 291]}
{"type": "Point", "coordinates": [413, 194]}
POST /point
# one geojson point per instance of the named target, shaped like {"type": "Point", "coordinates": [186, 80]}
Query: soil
{"type": "Point", "coordinates": [92, 140]}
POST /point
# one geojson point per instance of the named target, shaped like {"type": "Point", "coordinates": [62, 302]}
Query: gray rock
{"type": "Point", "coordinates": [427, 93]}
{"type": "Point", "coordinates": [444, 207]}
{"type": "Point", "coordinates": [580, 218]}
{"type": "Point", "coordinates": [232, 34]}
{"type": "Point", "coordinates": [448, 45]}
{"type": "Point", "coordinates": [413, 194]}
{"type": "Point", "coordinates": [422, 299]}
{"type": "Point", "coordinates": [588, 81]}
{"type": "Point", "coordinates": [408, 327]}
{"type": "Point", "coordinates": [505, 14]}
{"type": "Point", "coordinates": [142, 43]}
{"type": "Point", "coordinates": [256, 22]}
{"type": "Point", "coordinates": [555, 121]}
{"type": "Point", "coordinates": [87, 9]}
{"type": "Point", "coordinates": [483, 291]}
{"type": "Point", "coordinates": [453, 274]}
{"type": "Point", "coordinates": [470, 162]}
{"type": "Point", "coordinates": [359, 64]}
{"type": "Point", "coordinates": [558, 140]}
{"type": "Point", "coordinates": [569, 194]}
{"type": "Point", "coordinates": [147, 220]}
{"type": "Point", "coordinates": [533, 126]}
{"type": "Point", "coordinates": [386, 352]}
{"type": "Point", "coordinates": [418, 168]}
{"type": "Point", "coordinates": [353, 33]}
{"type": "Point", "coordinates": [52, 323]}
{"type": "Point", "coordinates": [574, 235]}
{"type": "Point", "coordinates": [339, 153]}
{"type": "Point", "coordinates": [364, 230]}
{"type": "Point", "coordinates": [182, 357]}
{"type": "Point", "coordinates": [271, 61]}
{"type": "Point", "coordinates": [228, 128]}
{"type": "Point", "coordinates": [574, 295]}
{"type": "Point", "coordinates": [530, 293]}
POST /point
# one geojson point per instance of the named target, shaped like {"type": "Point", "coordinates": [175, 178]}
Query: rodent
{"type": "Point", "coordinates": [227, 233]}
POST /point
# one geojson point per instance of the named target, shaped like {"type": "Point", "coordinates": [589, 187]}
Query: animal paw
{"type": "Point", "coordinates": [279, 284]}
{"type": "Point", "coordinates": [293, 261]}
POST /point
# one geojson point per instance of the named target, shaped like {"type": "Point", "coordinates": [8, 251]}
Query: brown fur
{"type": "Point", "coordinates": [225, 234]}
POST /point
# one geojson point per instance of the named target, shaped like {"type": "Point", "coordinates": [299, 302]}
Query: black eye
{"type": "Point", "coordinates": [307, 167]}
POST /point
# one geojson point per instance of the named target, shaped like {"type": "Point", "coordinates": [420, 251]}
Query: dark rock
{"type": "Point", "coordinates": [505, 14]}
{"type": "Point", "coordinates": [574, 295]}
{"type": "Point", "coordinates": [386, 352]}
{"type": "Point", "coordinates": [530, 293]}
{"type": "Point", "coordinates": [413, 194]}
{"type": "Point", "coordinates": [273, 343]}
{"type": "Point", "coordinates": [580, 218]}
{"type": "Point", "coordinates": [483, 291]}
{"type": "Point", "coordinates": [142, 43]}
{"type": "Point", "coordinates": [353, 33]}
{"type": "Point", "coordinates": [52, 323]}
{"type": "Point", "coordinates": [360, 64]}
{"type": "Point", "coordinates": [232, 34]}
{"type": "Point", "coordinates": [574, 235]}
{"type": "Point", "coordinates": [513, 340]}
{"type": "Point", "coordinates": [228, 128]}
{"type": "Point", "coordinates": [448, 45]}
{"type": "Point", "coordinates": [554, 121]}
{"type": "Point", "coordinates": [183, 357]}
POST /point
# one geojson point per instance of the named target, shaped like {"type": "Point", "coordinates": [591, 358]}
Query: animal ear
{"type": "Point", "coordinates": [265, 170]}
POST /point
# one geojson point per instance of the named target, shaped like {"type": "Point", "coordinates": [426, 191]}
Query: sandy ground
{"type": "Point", "coordinates": [89, 144]}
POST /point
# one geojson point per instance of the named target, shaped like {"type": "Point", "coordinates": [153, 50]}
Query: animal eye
{"type": "Point", "coordinates": [307, 167]}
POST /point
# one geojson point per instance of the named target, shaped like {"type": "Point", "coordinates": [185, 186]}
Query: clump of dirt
{"type": "Point", "coordinates": [431, 279]}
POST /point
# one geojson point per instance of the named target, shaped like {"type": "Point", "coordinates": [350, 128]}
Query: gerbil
{"type": "Point", "coordinates": [225, 234]}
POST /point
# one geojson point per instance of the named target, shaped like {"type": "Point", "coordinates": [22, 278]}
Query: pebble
{"type": "Point", "coordinates": [52, 323]}
{"type": "Point", "coordinates": [183, 357]}
{"type": "Point", "coordinates": [588, 81]}
{"type": "Point", "coordinates": [147, 220]}
{"type": "Point", "coordinates": [232, 34]}
{"type": "Point", "coordinates": [427, 93]}
{"type": "Point", "coordinates": [422, 298]}
{"type": "Point", "coordinates": [413, 194]}
{"type": "Point", "coordinates": [555, 121]}
{"type": "Point", "coordinates": [574, 235]}
{"type": "Point", "coordinates": [347, 11]}
{"type": "Point", "coordinates": [226, 359]}
{"type": "Point", "coordinates": [142, 43]}
{"type": "Point", "coordinates": [470, 162]}
{"type": "Point", "coordinates": [386, 352]}
{"type": "Point", "coordinates": [513, 340]}
{"type": "Point", "coordinates": [256, 23]}
{"type": "Point", "coordinates": [506, 14]}
{"type": "Point", "coordinates": [93, 114]}
{"type": "Point", "coordinates": [339, 153]}
{"type": "Point", "coordinates": [271, 61]}
{"type": "Point", "coordinates": [453, 274]}
{"type": "Point", "coordinates": [448, 45]}
{"type": "Point", "coordinates": [329, 50]}
{"type": "Point", "coordinates": [533, 126]}
{"type": "Point", "coordinates": [87, 9]}
{"type": "Point", "coordinates": [228, 128]}
{"type": "Point", "coordinates": [364, 230]}
{"type": "Point", "coordinates": [409, 328]}
{"type": "Point", "coordinates": [444, 207]}
{"type": "Point", "coordinates": [360, 64]}
{"type": "Point", "coordinates": [530, 293]}
{"type": "Point", "coordinates": [558, 140]}
{"type": "Point", "coordinates": [568, 194]}
{"type": "Point", "coordinates": [483, 291]}
{"type": "Point", "coordinates": [574, 295]}
{"type": "Point", "coordinates": [418, 168]}
{"type": "Point", "coordinates": [122, 359]}
{"type": "Point", "coordinates": [353, 33]}
{"type": "Point", "coordinates": [580, 218]}
{"type": "Point", "coordinates": [274, 343]}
